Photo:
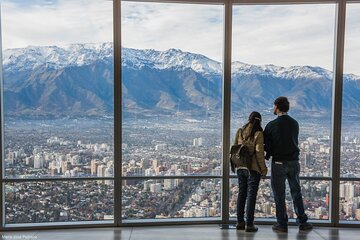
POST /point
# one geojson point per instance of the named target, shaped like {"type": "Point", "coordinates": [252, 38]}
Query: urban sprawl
{"type": "Point", "coordinates": [177, 148]}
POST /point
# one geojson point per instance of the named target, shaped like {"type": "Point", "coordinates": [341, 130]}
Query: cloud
{"type": "Point", "coordinates": [30, 3]}
{"type": "Point", "coordinates": [39, 22]}
{"type": "Point", "coordinates": [189, 27]}
{"type": "Point", "coordinates": [352, 39]}
{"type": "Point", "coordinates": [283, 35]}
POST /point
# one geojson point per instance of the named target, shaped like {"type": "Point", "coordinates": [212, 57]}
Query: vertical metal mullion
{"type": "Point", "coordinates": [2, 192]}
{"type": "Point", "coordinates": [337, 109]}
{"type": "Point", "coordinates": [117, 112]}
{"type": "Point", "coordinates": [226, 111]}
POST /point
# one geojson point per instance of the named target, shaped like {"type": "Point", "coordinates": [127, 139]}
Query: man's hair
{"type": "Point", "coordinates": [282, 103]}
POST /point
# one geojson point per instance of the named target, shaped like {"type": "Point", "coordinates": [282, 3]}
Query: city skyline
{"type": "Point", "coordinates": [190, 153]}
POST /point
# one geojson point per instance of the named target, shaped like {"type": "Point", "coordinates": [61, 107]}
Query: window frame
{"type": "Point", "coordinates": [334, 178]}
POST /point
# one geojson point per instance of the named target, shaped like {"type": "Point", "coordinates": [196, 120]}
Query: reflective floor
{"type": "Point", "coordinates": [208, 232]}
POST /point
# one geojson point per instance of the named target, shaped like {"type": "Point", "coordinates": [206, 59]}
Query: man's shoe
{"type": "Point", "coordinates": [251, 228]}
{"type": "Point", "coordinates": [240, 226]}
{"type": "Point", "coordinates": [278, 228]}
{"type": "Point", "coordinates": [305, 226]}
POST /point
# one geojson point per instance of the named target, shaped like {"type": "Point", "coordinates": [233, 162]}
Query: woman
{"type": "Point", "coordinates": [249, 178]}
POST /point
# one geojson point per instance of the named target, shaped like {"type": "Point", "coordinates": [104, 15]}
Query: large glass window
{"type": "Point", "coordinates": [349, 196]}
{"type": "Point", "coordinates": [315, 196]}
{"type": "Point", "coordinates": [172, 106]}
{"type": "Point", "coordinates": [171, 198]}
{"type": "Point", "coordinates": [350, 139]}
{"type": "Point", "coordinates": [58, 108]}
{"type": "Point", "coordinates": [286, 50]}
{"type": "Point", "coordinates": [350, 148]}
{"type": "Point", "coordinates": [41, 202]}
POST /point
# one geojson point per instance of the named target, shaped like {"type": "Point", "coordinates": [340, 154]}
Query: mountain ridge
{"type": "Point", "coordinates": [83, 54]}
{"type": "Point", "coordinates": [77, 79]}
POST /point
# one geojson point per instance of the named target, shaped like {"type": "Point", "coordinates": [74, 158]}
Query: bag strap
{"type": "Point", "coordinates": [242, 137]}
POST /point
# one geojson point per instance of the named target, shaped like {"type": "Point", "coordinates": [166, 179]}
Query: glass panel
{"type": "Point", "coordinates": [315, 197]}
{"type": "Point", "coordinates": [349, 201]}
{"type": "Point", "coordinates": [171, 198]}
{"type": "Point", "coordinates": [41, 202]}
{"type": "Point", "coordinates": [58, 88]}
{"type": "Point", "coordinates": [350, 191]}
{"type": "Point", "coordinates": [286, 50]}
{"type": "Point", "coordinates": [350, 148]}
{"type": "Point", "coordinates": [172, 85]}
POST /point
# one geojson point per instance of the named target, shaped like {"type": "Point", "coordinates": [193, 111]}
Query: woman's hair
{"type": "Point", "coordinates": [255, 120]}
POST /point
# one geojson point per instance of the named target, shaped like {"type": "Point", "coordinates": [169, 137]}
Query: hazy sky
{"type": "Point", "coordinates": [281, 35]}
{"type": "Point", "coordinates": [284, 35]}
{"type": "Point", "coordinates": [45, 22]}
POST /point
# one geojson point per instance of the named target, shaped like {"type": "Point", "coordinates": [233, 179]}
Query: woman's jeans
{"type": "Point", "coordinates": [248, 188]}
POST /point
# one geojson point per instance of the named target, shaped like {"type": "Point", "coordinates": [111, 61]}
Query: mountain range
{"type": "Point", "coordinates": [77, 80]}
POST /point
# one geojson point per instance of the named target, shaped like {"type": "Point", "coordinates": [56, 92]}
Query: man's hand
{"type": "Point", "coordinates": [264, 173]}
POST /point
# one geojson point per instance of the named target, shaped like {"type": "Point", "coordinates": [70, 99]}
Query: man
{"type": "Point", "coordinates": [281, 142]}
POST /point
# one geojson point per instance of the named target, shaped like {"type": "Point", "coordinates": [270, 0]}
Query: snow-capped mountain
{"type": "Point", "coordinates": [55, 57]}
{"type": "Point", "coordinates": [78, 79]}
{"type": "Point", "coordinates": [293, 72]}
{"type": "Point", "coordinates": [168, 59]}
{"type": "Point", "coordinates": [58, 57]}
{"type": "Point", "coordinates": [84, 54]}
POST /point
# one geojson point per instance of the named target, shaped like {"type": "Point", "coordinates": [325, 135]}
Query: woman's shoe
{"type": "Point", "coordinates": [278, 228]}
{"type": "Point", "coordinates": [240, 226]}
{"type": "Point", "coordinates": [305, 226]}
{"type": "Point", "coordinates": [251, 228]}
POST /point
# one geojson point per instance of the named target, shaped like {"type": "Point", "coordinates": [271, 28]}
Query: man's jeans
{"type": "Point", "coordinates": [248, 188]}
{"type": "Point", "coordinates": [279, 173]}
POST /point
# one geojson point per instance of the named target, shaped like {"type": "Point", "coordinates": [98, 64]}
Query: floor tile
{"type": "Point", "coordinates": [339, 233]}
{"type": "Point", "coordinates": [193, 232]}
{"type": "Point", "coordinates": [85, 234]}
